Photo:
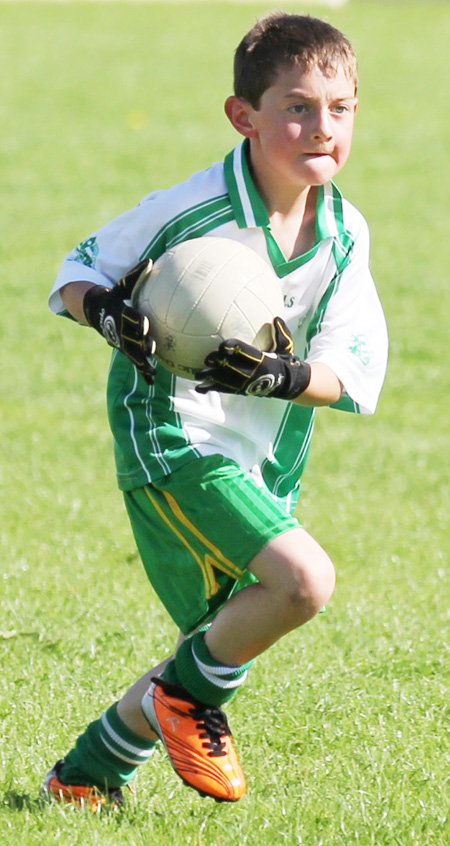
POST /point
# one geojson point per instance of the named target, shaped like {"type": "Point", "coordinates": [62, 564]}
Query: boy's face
{"type": "Point", "coordinates": [301, 133]}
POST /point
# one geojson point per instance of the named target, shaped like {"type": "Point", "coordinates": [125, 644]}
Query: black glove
{"type": "Point", "coordinates": [108, 310]}
{"type": "Point", "coordinates": [239, 368]}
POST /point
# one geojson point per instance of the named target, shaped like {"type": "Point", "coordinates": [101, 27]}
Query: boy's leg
{"type": "Point", "coordinates": [106, 755]}
{"type": "Point", "coordinates": [285, 597]}
{"type": "Point", "coordinates": [129, 708]}
{"type": "Point", "coordinates": [211, 537]}
{"type": "Point", "coordinates": [295, 579]}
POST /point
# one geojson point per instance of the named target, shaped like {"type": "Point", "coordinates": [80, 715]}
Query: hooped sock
{"type": "Point", "coordinates": [107, 754]}
{"type": "Point", "coordinates": [201, 675]}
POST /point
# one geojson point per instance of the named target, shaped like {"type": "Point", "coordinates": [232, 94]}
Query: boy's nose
{"type": "Point", "coordinates": [322, 126]}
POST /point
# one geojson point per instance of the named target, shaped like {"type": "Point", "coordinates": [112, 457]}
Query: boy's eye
{"type": "Point", "coordinates": [340, 108]}
{"type": "Point", "coordinates": [297, 109]}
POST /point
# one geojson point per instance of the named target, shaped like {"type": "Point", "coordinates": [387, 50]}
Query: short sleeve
{"type": "Point", "coordinates": [352, 339]}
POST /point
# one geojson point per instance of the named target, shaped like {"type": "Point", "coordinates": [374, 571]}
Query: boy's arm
{"type": "Point", "coordinates": [324, 387]}
{"type": "Point", "coordinates": [72, 296]}
{"type": "Point", "coordinates": [109, 311]}
{"type": "Point", "coordinates": [346, 350]}
{"type": "Point", "coordinates": [239, 368]}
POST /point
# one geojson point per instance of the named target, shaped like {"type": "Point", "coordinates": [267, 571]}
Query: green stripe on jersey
{"type": "Point", "coordinates": [342, 249]}
{"type": "Point", "coordinates": [290, 451]}
{"type": "Point", "coordinates": [191, 223]}
{"type": "Point", "coordinates": [345, 403]}
{"type": "Point", "coordinates": [150, 440]}
{"type": "Point", "coordinates": [151, 412]}
{"type": "Point", "coordinates": [291, 448]}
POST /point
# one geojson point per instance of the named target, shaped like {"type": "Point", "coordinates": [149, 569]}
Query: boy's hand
{"type": "Point", "coordinates": [239, 368]}
{"type": "Point", "coordinates": [109, 311]}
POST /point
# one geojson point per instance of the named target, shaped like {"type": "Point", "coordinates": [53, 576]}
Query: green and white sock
{"type": "Point", "coordinates": [107, 754]}
{"type": "Point", "coordinates": [201, 675]}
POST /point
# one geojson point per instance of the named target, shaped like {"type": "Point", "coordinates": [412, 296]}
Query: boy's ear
{"type": "Point", "coordinates": [238, 112]}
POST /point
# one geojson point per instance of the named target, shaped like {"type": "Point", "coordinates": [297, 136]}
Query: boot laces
{"type": "Point", "coordinates": [213, 726]}
{"type": "Point", "coordinates": [211, 721]}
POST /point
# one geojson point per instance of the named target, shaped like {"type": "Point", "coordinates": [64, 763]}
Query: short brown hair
{"type": "Point", "coordinates": [281, 39]}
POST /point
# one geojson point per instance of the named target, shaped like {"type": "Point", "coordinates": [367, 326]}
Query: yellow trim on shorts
{"type": "Point", "coordinates": [223, 563]}
{"type": "Point", "coordinates": [216, 560]}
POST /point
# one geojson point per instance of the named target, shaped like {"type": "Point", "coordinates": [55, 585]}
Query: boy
{"type": "Point", "coordinates": [210, 470]}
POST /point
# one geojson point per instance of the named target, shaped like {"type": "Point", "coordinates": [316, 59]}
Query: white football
{"type": "Point", "coordinates": [202, 292]}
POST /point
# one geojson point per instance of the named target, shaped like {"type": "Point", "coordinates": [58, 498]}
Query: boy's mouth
{"type": "Point", "coordinates": [317, 156]}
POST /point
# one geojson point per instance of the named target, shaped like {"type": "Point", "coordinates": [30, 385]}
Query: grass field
{"type": "Point", "coordinates": [343, 728]}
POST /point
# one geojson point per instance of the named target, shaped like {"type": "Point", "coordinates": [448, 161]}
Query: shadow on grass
{"type": "Point", "coordinates": [22, 801]}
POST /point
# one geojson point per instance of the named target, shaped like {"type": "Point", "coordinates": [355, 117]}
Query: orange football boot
{"type": "Point", "coordinates": [81, 795]}
{"type": "Point", "coordinates": [198, 740]}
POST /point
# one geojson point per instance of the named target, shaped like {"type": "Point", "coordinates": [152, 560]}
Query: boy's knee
{"type": "Point", "coordinates": [313, 584]}
{"type": "Point", "coordinates": [299, 574]}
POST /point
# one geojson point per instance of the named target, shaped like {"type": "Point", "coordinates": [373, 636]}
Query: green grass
{"type": "Point", "coordinates": [343, 727]}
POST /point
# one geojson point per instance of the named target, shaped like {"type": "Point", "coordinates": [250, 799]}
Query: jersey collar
{"type": "Point", "coordinates": [248, 207]}
{"type": "Point", "coordinates": [250, 211]}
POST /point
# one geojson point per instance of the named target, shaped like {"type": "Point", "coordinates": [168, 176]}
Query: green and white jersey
{"type": "Point", "coordinates": [331, 308]}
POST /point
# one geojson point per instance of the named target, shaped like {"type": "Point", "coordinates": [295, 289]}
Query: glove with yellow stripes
{"type": "Point", "coordinates": [239, 368]}
{"type": "Point", "coordinates": [109, 311]}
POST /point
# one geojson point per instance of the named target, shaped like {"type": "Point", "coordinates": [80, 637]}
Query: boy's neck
{"type": "Point", "coordinates": [293, 221]}
{"type": "Point", "coordinates": [294, 226]}
{"type": "Point", "coordinates": [277, 197]}
{"type": "Point", "coordinates": [292, 214]}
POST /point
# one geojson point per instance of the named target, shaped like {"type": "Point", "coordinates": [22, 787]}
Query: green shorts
{"type": "Point", "coordinates": [198, 529]}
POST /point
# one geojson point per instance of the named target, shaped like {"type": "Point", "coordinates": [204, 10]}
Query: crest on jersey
{"type": "Point", "coordinates": [87, 252]}
{"type": "Point", "coordinates": [359, 347]}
